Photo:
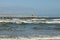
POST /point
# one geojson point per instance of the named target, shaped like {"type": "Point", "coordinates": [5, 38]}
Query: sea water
{"type": "Point", "coordinates": [29, 30]}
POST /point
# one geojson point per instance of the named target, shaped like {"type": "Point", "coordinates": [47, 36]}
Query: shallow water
{"type": "Point", "coordinates": [29, 30]}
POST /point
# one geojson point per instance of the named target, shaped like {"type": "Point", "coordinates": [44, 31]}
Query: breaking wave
{"type": "Point", "coordinates": [34, 21]}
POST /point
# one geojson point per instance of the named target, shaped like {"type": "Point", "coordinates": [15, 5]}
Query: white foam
{"type": "Point", "coordinates": [31, 20]}
{"type": "Point", "coordinates": [32, 38]}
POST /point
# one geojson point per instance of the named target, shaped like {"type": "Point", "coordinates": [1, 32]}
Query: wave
{"type": "Point", "coordinates": [42, 21]}
{"type": "Point", "coordinates": [21, 21]}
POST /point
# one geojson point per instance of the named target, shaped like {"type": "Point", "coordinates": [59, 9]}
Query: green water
{"type": "Point", "coordinates": [29, 30]}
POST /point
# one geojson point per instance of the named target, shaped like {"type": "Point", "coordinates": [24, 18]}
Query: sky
{"type": "Point", "coordinates": [27, 7]}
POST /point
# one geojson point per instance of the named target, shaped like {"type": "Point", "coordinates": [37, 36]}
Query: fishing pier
{"type": "Point", "coordinates": [28, 19]}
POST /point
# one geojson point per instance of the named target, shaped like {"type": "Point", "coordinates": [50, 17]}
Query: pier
{"type": "Point", "coordinates": [28, 19]}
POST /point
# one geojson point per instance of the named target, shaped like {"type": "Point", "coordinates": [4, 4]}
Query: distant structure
{"type": "Point", "coordinates": [33, 13]}
{"type": "Point", "coordinates": [11, 16]}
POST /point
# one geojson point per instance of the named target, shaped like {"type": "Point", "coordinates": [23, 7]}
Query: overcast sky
{"type": "Point", "coordinates": [27, 7]}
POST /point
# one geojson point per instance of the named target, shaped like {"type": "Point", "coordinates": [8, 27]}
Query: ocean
{"type": "Point", "coordinates": [29, 30]}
